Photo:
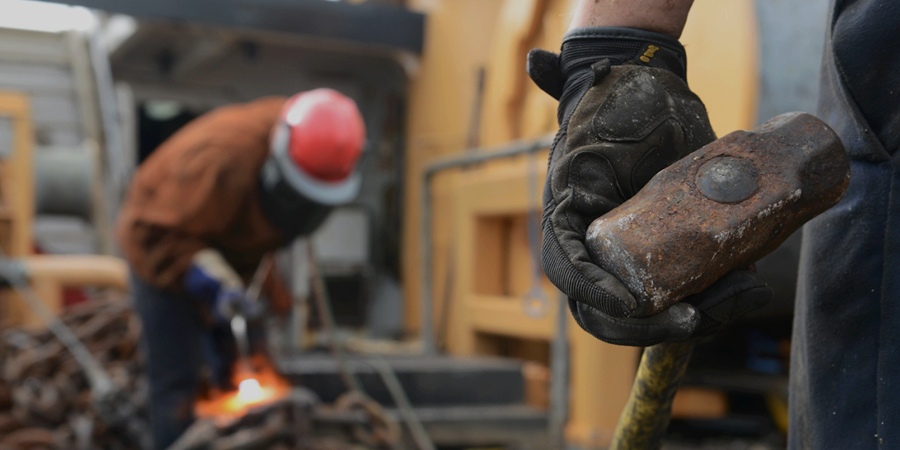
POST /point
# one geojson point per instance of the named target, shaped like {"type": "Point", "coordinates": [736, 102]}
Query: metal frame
{"type": "Point", "coordinates": [368, 24]}
{"type": "Point", "coordinates": [469, 158]}
{"type": "Point", "coordinates": [559, 393]}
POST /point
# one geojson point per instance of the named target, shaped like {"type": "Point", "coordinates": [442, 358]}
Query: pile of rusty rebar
{"type": "Point", "coordinates": [45, 398]}
{"type": "Point", "coordinates": [298, 421]}
{"type": "Point", "coordinates": [46, 402]}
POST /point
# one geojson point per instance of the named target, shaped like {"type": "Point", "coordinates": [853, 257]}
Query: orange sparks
{"type": "Point", "coordinates": [260, 387]}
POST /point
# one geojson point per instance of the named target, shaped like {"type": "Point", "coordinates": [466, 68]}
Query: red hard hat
{"type": "Point", "coordinates": [326, 133]}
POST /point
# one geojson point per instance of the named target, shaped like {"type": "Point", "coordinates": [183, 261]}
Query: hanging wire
{"type": "Point", "coordinates": [407, 412]}
{"type": "Point", "coordinates": [395, 388]}
{"type": "Point", "coordinates": [323, 305]}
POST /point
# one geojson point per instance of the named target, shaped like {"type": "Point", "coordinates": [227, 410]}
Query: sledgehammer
{"type": "Point", "coordinates": [719, 209]}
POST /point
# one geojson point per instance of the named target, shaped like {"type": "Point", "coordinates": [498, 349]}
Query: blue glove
{"type": "Point", "coordinates": [211, 280]}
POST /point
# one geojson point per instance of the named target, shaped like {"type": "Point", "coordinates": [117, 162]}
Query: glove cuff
{"type": "Point", "coordinates": [584, 47]}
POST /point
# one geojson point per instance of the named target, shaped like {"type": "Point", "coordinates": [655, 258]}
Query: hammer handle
{"type": "Point", "coordinates": [643, 423]}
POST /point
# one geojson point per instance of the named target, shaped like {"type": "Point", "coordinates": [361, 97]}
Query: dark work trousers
{"type": "Point", "coordinates": [845, 358]}
{"type": "Point", "coordinates": [179, 344]}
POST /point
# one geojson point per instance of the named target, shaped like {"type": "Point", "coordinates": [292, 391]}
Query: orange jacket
{"type": "Point", "coordinates": [198, 190]}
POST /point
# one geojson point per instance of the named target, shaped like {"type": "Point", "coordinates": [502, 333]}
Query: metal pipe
{"type": "Point", "coordinates": [326, 318]}
{"type": "Point", "coordinates": [559, 377]}
{"type": "Point", "coordinates": [13, 272]}
{"type": "Point", "coordinates": [470, 158]}
{"type": "Point", "coordinates": [239, 321]}
{"type": "Point", "coordinates": [77, 270]}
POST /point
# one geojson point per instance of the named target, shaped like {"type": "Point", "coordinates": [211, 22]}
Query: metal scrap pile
{"type": "Point", "coordinates": [46, 401]}
{"type": "Point", "coordinates": [299, 421]}
{"type": "Point", "coordinates": [45, 398]}
{"type": "Point", "coordinates": [281, 426]}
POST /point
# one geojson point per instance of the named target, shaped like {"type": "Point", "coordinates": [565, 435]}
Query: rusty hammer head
{"type": "Point", "coordinates": [721, 208]}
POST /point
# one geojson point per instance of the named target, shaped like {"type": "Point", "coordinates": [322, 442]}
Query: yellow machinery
{"type": "Point", "coordinates": [48, 274]}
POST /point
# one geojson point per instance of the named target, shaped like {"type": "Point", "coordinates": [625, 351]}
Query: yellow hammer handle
{"type": "Point", "coordinates": [643, 423]}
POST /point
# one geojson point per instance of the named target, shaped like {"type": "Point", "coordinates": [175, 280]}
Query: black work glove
{"type": "Point", "coordinates": [625, 113]}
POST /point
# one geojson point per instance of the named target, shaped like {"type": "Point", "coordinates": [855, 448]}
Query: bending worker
{"type": "Point", "coordinates": [203, 210]}
{"type": "Point", "coordinates": [626, 112]}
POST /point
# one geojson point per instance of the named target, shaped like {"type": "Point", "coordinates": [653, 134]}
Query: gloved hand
{"type": "Point", "coordinates": [625, 113]}
{"type": "Point", "coordinates": [211, 279]}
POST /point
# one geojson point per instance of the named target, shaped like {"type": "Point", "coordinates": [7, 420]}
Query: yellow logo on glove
{"type": "Point", "coordinates": [651, 50]}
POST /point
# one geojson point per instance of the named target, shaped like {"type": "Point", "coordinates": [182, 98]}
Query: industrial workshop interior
{"type": "Point", "coordinates": [317, 224]}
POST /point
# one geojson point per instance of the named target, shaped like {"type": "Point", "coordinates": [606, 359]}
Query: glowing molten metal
{"type": "Point", "coordinates": [260, 387]}
{"type": "Point", "coordinates": [250, 391]}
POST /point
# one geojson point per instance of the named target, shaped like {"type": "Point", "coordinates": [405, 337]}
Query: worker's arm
{"type": "Point", "coordinates": [212, 280]}
{"type": "Point", "coordinates": [661, 16]}
{"type": "Point", "coordinates": [625, 113]}
{"type": "Point", "coordinates": [178, 198]}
